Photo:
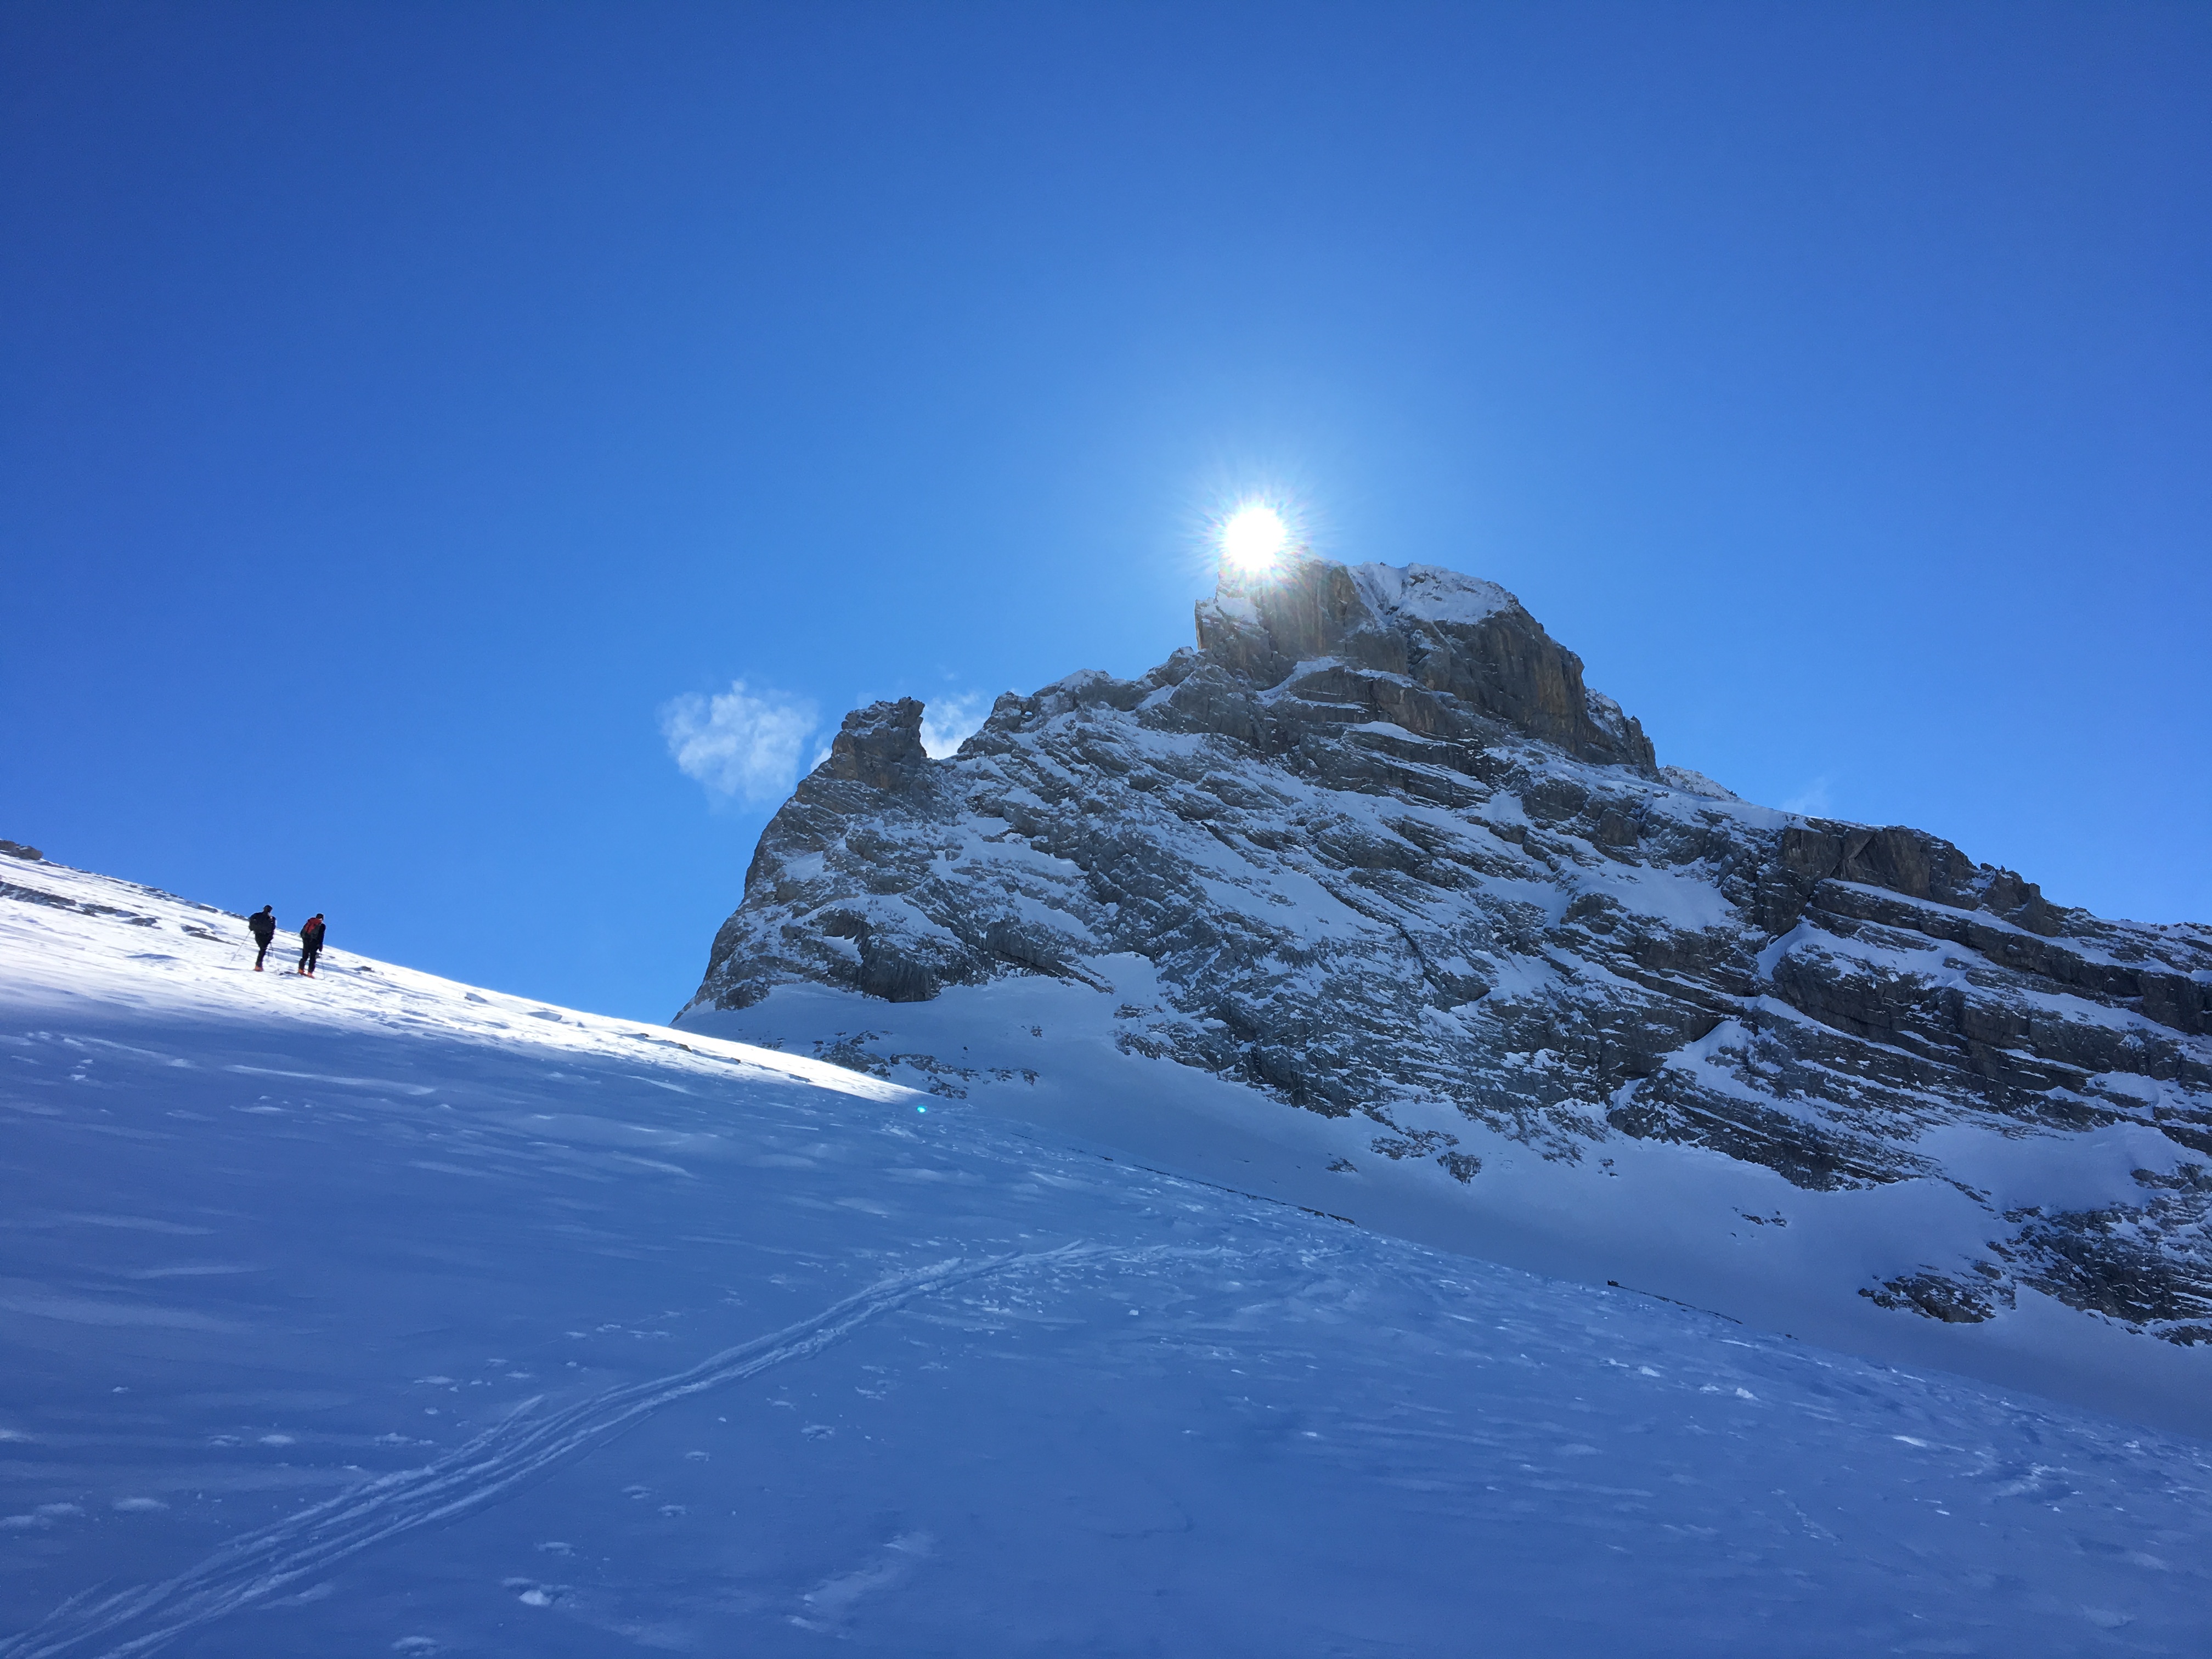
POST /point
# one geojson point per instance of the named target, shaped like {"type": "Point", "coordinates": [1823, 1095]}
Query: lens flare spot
{"type": "Point", "coordinates": [1254, 538]}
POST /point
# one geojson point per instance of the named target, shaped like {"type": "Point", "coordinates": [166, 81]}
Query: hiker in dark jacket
{"type": "Point", "coordinates": [311, 943]}
{"type": "Point", "coordinates": [262, 923]}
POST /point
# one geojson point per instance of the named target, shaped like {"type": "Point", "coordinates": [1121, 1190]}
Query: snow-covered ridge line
{"type": "Point", "coordinates": [193, 949]}
{"type": "Point", "coordinates": [1429, 592]}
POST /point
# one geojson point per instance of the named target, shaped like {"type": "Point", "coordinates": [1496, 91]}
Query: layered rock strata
{"type": "Point", "coordinates": [1385, 850]}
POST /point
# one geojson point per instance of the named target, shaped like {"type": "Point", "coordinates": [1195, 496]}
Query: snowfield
{"type": "Point", "coordinates": [372, 1314]}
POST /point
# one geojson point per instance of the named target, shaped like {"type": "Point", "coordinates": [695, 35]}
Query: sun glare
{"type": "Point", "coordinates": [1254, 538]}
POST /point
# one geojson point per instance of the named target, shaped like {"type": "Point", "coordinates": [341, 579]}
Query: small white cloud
{"type": "Point", "coordinates": [1812, 799]}
{"type": "Point", "coordinates": [951, 721]}
{"type": "Point", "coordinates": [742, 742]}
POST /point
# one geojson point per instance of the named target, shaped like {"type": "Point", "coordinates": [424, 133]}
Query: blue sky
{"type": "Point", "coordinates": [406, 404]}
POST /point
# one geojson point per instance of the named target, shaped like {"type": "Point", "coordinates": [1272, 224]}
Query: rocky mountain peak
{"type": "Point", "coordinates": [880, 746]}
{"type": "Point", "coordinates": [1420, 645]}
{"type": "Point", "coordinates": [1373, 849]}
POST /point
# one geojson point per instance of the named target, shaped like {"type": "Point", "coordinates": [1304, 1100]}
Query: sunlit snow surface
{"type": "Point", "coordinates": [370, 1315]}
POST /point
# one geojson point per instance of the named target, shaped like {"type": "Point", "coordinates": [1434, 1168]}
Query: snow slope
{"type": "Point", "coordinates": [1679, 1222]}
{"type": "Point", "coordinates": [372, 1314]}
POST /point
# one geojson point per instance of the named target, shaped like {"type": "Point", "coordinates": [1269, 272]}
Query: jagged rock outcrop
{"type": "Point", "coordinates": [1385, 851]}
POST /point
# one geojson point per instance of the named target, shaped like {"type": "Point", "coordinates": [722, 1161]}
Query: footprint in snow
{"type": "Point", "coordinates": [829, 1604]}
{"type": "Point", "coordinates": [817, 1431]}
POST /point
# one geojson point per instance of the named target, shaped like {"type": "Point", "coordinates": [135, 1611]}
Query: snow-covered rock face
{"type": "Point", "coordinates": [1376, 851]}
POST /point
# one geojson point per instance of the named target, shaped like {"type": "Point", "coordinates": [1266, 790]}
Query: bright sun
{"type": "Point", "coordinates": [1254, 538]}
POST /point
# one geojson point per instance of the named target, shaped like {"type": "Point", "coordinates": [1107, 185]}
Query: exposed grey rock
{"type": "Point", "coordinates": [15, 849]}
{"type": "Point", "coordinates": [1386, 850]}
{"type": "Point", "coordinates": [40, 896]}
{"type": "Point", "coordinates": [879, 746]}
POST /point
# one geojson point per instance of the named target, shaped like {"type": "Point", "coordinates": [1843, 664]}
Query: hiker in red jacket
{"type": "Point", "coordinates": [311, 943]}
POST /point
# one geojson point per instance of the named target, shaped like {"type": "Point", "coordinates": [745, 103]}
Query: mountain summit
{"type": "Point", "coordinates": [1374, 850]}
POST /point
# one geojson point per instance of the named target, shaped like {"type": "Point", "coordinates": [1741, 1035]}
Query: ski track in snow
{"type": "Point", "coordinates": [259, 1564]}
